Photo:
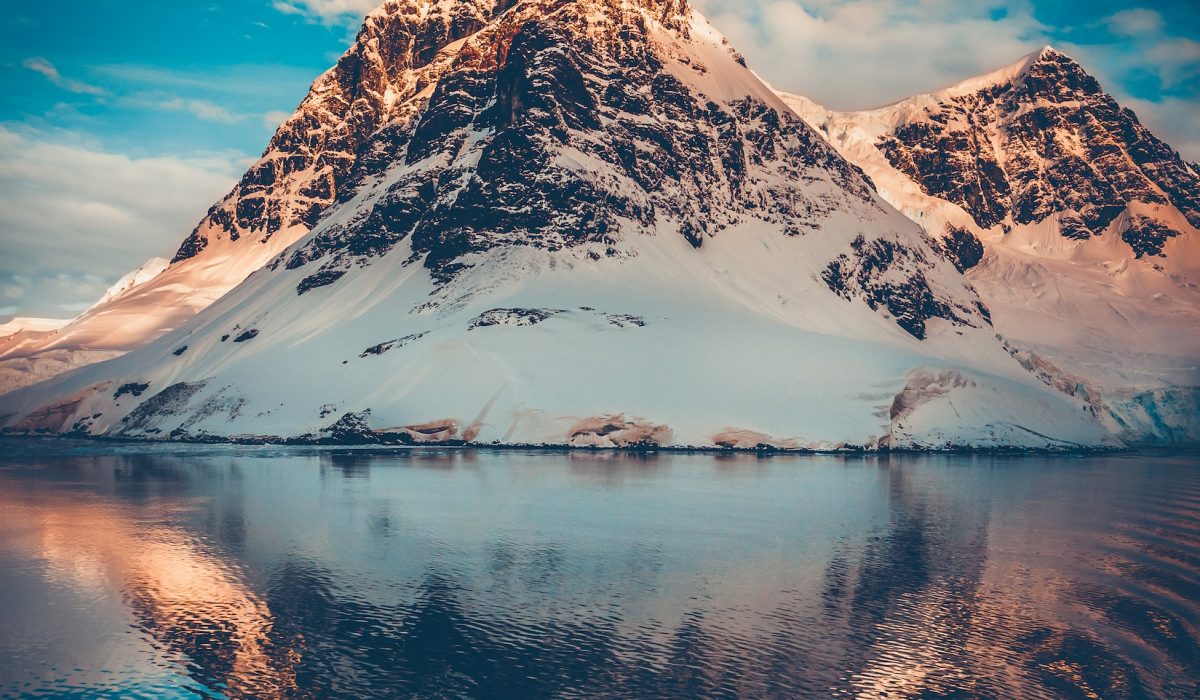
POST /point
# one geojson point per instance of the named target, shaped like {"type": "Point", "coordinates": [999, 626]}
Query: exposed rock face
{"type": "Point", "coordinates": [617, 431]}
{"type": "Point", "coordinates": [171, 401]}
{"type": "Point", "coordinates": [492, 159]}
{"type": "Point", "coordinates": [887, 275]}
{"type": "Point", "coordinates": [512, 317]}
{"type": "Point", "coordinates": [1077, 226]}
{"type": "Point", "coordinates": [565, 223]}
{"type": "Point", "coordinates": [1049, 141]}
{"type": "Point", "coordinates": [1147, 236]}
{"type": "Point", "coordinates": [394, 58]}
{"type": "Point", "coordinates": [964, 248]}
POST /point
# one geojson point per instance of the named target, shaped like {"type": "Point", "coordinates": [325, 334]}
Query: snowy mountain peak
{"type": "Point", "coordinates": [1048, 53]}
{"type": "Point", "coordinates": [573, 223]}
{"type": "Point", "coordinates": [572, 127]}
{"type": "Point", "coordinates": [1077, 225]}
{"type": "Point", "coordinates": [1041, 140]}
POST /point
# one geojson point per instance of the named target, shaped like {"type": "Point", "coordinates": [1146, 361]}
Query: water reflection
{"type": "Point", "coordinates": [192, 606]}
{"type": "Point", "coordinates": [460, 574]}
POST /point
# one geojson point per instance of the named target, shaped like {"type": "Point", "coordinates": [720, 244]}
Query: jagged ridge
{"type": "Point", "coordinates": [1064, 147]}
{"type": "Point", "coordinates": [593, 226]}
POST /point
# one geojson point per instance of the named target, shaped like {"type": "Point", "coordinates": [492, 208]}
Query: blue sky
{"type": "Point", "coordinates": [122, 121]}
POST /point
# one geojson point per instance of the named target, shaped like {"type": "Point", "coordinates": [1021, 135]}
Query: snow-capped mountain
{"type": "Point", "coordinates": [1077, 226]}
{"type": "Point", "coordinates": [279, 198]}
{"type": "Point", "coordinates": [582, 223]}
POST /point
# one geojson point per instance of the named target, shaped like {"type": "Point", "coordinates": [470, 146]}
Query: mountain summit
{"type": "Point", "coordinates": [1076, 224]}
{"type": "Point", "coordinates": [582, 223]}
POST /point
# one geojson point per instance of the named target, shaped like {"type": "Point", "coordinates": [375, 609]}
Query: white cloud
{"type": "Point", "coordinates": [47, 69]}
{"type": "Point", "coordinates": [74, 218]}
{"type": "Point", "coordinates": [857, 54]}
{"type": "Point", "coordinates": [272, 120]}
{"type": "Point", "coordinates": [201, 109]}
{"type": "Point", "coordinates": [339, 12]}
{"type": "Point", "coordinates": [1137, 21]}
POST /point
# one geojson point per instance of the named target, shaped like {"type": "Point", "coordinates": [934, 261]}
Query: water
{"type": "Point", "coordinates": [233, 572]}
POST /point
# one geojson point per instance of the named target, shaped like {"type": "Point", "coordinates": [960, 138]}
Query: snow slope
{"type": "Point", "coordinates": [1075, 224]}
{"type": "Point", "coordinates": [30, 325]}
{"type": "Point", "coordinates": [595, 228]}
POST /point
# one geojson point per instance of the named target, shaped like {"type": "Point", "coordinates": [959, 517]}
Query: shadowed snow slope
{"type": "Point", "coordinates": [590, 226]}
{"type": "Point", "coordinates": [1076, 225]}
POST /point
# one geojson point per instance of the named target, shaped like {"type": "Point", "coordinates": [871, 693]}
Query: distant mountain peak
{"type": "Point", "coordinates": [1079, 228]}
{"type": "Point", "coordinates": [1038, 140]}
{"type": "Point", "coordinates": [1049, 53]}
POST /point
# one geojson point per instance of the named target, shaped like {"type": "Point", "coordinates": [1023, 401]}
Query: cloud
{"type": "Point", "coordinates": [332, 12]}
{"type": "Point", "coordinates": [272, 120]}
{"type": "Point", "coordinates": [1137, 21]}
{"type": "Point", "coordinates": [201, 109]}
{"type": "Point", "coordinates": [1139, 43]}
{"type": "Point", "coordinates": [47, 69]}
{"type": "Point", "coordinates": [856, 54]}
{"type": "Point", "coordinates": [75, 218]}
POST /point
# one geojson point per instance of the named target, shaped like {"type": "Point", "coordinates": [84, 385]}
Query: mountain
{"type": "Point", "coordinates": [1077, 226]}
{"type": "Point", "coordinates": [30, 325]}
{"type": "Point", "coordinates": [21, 333]}
{"type": "Point", "coordinates": [582, 223]}
{"type": "Point", "coordinates": [277, 201]}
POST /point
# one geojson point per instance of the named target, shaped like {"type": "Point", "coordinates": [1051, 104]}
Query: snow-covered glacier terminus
{"type": "Point", "coordinates": [1077, 226]}
{"type": "Point", "coordinates": [570, 223]}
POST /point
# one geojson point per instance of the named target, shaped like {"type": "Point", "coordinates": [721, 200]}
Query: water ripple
{"type": "Point", "coordinates": [332, 574]}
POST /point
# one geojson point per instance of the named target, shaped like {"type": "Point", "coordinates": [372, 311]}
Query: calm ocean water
{"type": "Point", "coordinates": [133, 571]}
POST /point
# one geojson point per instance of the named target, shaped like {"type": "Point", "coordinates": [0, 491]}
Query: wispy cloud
{"type": "Point", "coordinates": [1138, 21]}
{"type": "Point", "coordinates": [239, 80]}
{"type": "Point", "coordinates": [272, 120]}
{"type": "Point", "coordinates": [200, 109]}
{"type": "Point", "coordinates": [47, 69]}
{"type": "Point", "coordinates": [332, 12]}
{"type": "Point", "coordinates": [74, 218]}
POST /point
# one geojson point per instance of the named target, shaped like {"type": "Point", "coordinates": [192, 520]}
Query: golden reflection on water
{"type": "Point", "coordinates": [679, 577]}
{"type": "Point", "coordinates": [189, 600]}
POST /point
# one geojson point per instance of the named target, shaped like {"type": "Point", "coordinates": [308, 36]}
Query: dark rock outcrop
{"type": "Point", "coordinates": [887, 275]}
{"type": "Point", "coordinates": [963, 248]}
{"type": "Point", "coordinates": [546, 83]}
{"type": "Point", "coordinates": [172, 401]}
{"type": "Point", "coordinates": [133, 389]}
{"type": "Point", "coordinates": [1047, 142]}
{"type": "Point", "coordinates": [317, 150]}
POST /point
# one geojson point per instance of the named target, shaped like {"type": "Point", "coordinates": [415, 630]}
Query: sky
{"type": "Point", "coordinates": [122, 121]}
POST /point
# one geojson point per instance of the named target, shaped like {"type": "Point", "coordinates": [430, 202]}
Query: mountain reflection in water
{"type": "Point", "coordinates": [261, 573]}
